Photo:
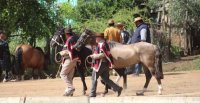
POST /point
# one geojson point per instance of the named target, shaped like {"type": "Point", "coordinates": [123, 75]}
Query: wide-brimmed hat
{"type": "Point", "coordinates": [68, 30]}
{"type": "Point", "coordinates": [120, 24]}
{"type": "Point", "coordinates": [137, 19]}
{"type": "Point", "coordinates": [111, 21]}
{"type": "Point", "coordinates": [99, 34]}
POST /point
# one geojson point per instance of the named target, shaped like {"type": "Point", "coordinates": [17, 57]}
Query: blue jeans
{"type": "Point", "coordinates": [137, 68]}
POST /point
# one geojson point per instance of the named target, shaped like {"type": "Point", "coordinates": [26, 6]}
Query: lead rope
{"type": "Point", "coordinates": [87, 61]}
{"type": "Point", "coordinates": [55, 58]}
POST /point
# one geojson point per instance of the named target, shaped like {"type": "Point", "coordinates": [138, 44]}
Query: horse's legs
{"type": "Point", "coordinates": [33, 74]}
{"type": "Point", "coordinates": [121, 73]}
{"type": "Point", "coordinates": [117, 79]}
{"type": "Point", "coordinates": [81, 72]}
{"type": "Point", "coordinates": [159, 86]}
{"type": "Point", "coordinates": [148, 78]}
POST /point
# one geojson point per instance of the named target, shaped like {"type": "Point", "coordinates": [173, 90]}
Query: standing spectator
{"type": "Point", "coordinates": [111, 33]}
{"type": "Point", "coordinates": [4, 56]}
{"type": "Point", "coordinates": [124, 34]}
{"type": "Point", "coordinates": [141, 34]}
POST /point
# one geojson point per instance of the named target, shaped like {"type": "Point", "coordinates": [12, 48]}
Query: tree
{"type": "Point", "coordinates": [186, 13]}
{"type": "Point", "coordinates": [29, 18]}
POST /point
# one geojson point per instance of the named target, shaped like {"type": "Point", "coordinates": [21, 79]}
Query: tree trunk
{"type": "Point", "coordinates": [169, 42]}
{"type": "Point", "coordinates": [47, 49]}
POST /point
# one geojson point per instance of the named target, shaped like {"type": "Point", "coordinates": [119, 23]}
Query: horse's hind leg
{"type": "Point", "coordinates": [148, 78]}
{"type": "Point", "coordinates": [33, 74]}
{"type": "Point", "coordinates": [121, 73]}
{"type": "Point", "coordinates": [159, 86]}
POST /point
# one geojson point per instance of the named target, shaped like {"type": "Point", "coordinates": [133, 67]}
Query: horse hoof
{"type": "Point", "coordinates": [124, 87]}
{"type": "Point", "coordinates": [103, 95]}
{"type": "Point", "coordinates": [5, 80]}
{"type": "Point", "coordinates": [139, 94]}
{"type": "Point", "coordinates": [159, 93]}
{"type": "Point", "coordinates": [84, 93]}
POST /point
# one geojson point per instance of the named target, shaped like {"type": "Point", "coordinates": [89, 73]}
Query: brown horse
{"type": "Point", "coordinates": [29, 57]}
{"type": "Point", "coordinates": [126, 55]}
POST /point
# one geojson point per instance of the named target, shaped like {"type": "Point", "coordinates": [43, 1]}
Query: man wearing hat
{"type": "Point", "coordinates": [111, 33]}
{"type": "Point", "coordinates": [141, 34]}
{"type": "Point", "coordinates": [69, 64]}
{"type": "Point", "coordinates": [102, 59]}
{"type": "Point", "coordinates": [124, 34]}
{"type": "Point", "coordinates": [4, 55]}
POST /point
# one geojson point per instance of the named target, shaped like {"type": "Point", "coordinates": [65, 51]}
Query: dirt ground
{"type": "Point", "coordinates": [174, 84]}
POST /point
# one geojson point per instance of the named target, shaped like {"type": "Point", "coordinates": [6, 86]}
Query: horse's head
{"type": "Point", "coordinates": [59, 38]}
{"type": "Point", "coordinates": [87, 37]}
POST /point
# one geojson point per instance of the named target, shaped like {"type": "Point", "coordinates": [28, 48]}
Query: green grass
{"type": "Point", "coordinates": [197, 63]}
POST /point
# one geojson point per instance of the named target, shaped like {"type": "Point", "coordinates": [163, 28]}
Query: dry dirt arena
{"type": "Point", "coordinates": [174, 84]}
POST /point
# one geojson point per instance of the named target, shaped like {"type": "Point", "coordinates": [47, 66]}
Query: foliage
{"type": "Point", "coordinates": [27, 18]}
{"type": "Point", "coordinates": [175, 50]}
{"type": "Point", "coordinates": [185, 12]}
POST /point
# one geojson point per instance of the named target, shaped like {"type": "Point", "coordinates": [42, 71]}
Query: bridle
{"type": "Point", "coordinates": [60, 44]}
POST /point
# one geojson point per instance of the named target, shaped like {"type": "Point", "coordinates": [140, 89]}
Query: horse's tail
{"type": "Point", "coordinates": [18, 58]}
{"type": "Point", "coordinates": [158, 64]}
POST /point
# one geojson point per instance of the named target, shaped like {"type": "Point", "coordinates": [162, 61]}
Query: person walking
{"type": "Point", "coordinates": [69, 62]}
{"type": "Point", "coordinates": [102, 60]}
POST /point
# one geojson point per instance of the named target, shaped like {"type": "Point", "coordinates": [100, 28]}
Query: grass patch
{"type": "Point", "coordinates": [197, 63]}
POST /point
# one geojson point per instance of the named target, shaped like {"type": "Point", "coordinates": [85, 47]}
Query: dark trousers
{"type": "Point", "coordinates": [4, 68]}
{"type": "Point", "coordinates": [104, 73]}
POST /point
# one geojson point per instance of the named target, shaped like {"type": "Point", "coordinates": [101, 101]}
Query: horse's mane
{"type": "Point", "coordinates": [113, 44]}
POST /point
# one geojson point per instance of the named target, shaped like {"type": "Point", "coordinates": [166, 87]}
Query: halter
{"type": "Point", "coordinates": [62, 45]}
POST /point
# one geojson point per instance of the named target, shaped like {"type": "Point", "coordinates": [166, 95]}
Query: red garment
{"type": "Point", "coordinates": [102, 48]}
{"type": "Point", "coordinates": [69, 45]}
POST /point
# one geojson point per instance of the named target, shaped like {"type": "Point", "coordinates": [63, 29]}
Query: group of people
{"type": "Point", "coordinates": [101, 56]}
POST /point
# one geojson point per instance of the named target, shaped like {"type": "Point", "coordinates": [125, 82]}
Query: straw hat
{"type": "Point", "coordinates": [119, 24]}
{"type": "Point", "coordinates": [111, 21]}
{"type": "Point", "coordinates": [99, 34]}
{"type": "Point", "coordinates": [137, 19]}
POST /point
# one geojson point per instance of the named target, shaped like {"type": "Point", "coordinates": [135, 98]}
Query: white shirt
{"type": "Point", "coordinates": [143, 34]}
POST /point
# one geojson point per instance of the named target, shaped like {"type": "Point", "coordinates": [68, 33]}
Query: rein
{"type": "Point", "coordinates": [57, 61]}
{"type": "Point", "coordinates": [60, 44]}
